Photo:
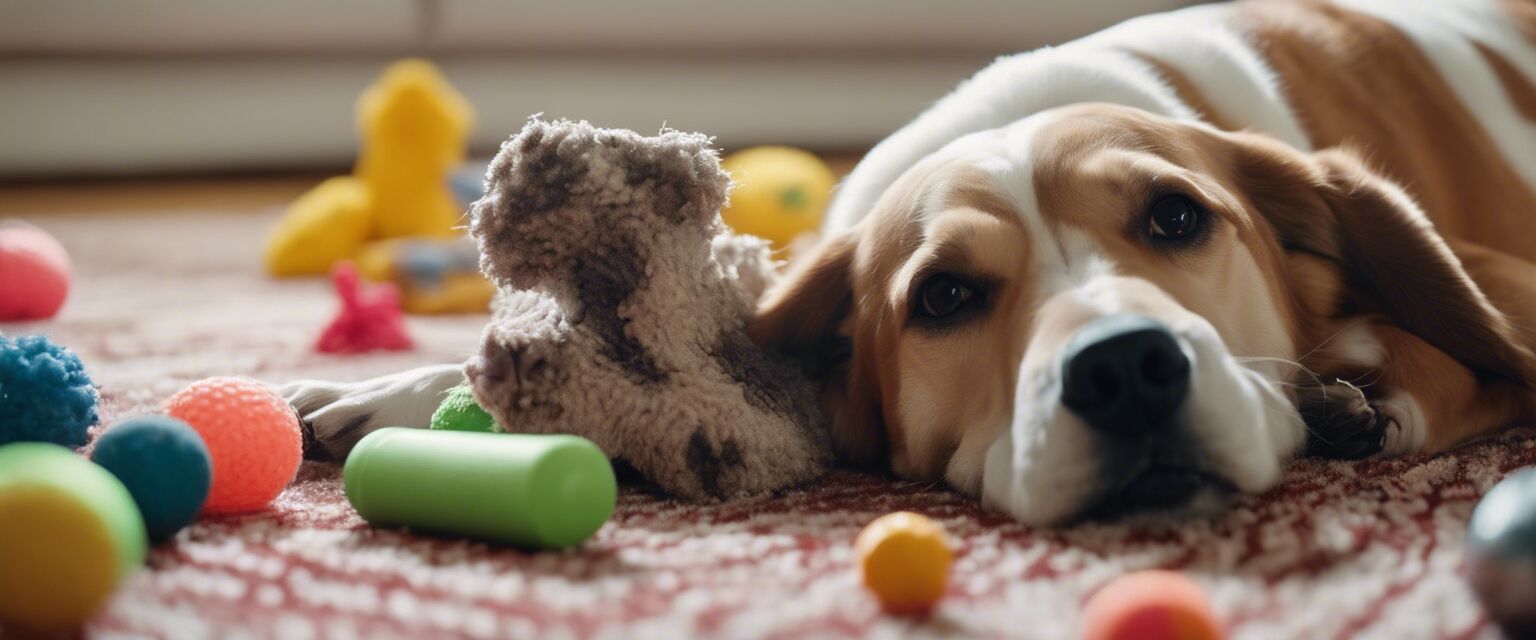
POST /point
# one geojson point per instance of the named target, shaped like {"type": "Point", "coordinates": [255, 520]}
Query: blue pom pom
{"type": "Point", "coordinates": [44, 393]}
{"type": "Point", "coordinates": [165, 466]}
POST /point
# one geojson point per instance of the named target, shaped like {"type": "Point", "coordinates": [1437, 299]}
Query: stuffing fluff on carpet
{"type": "Point", "coordinates": [1340, 550]}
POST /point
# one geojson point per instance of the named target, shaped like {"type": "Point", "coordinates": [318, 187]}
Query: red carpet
{"type": "Point", "coordinates": [1340, 551]}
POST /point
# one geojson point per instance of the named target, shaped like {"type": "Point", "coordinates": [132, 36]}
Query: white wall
{"type": "Point", "coordinates": [134, 86]}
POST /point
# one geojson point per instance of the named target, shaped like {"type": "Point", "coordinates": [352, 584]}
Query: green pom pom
{"type": "Point", "coordinates": [460, 412]}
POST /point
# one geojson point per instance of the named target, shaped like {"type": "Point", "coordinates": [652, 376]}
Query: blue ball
{"type": "Point", "coordinates": [44, 393]}
{"type": "Point", "coordinates": [165, 466]}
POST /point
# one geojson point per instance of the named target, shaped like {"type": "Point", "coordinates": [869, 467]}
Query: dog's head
{"type": "Point", "coordinates": [1100, 308]}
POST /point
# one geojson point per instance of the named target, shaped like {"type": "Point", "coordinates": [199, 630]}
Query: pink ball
{"type": "Point", "coordinates": [34, 274]}
{"type": "Point", "coordinates": [252, 435]}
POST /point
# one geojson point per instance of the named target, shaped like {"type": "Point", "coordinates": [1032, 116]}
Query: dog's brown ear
{"type": "Point", "coordinates": [806, 317]}
{"type": "Point", "coordinates": [1331, 205]}
{"type": "Point", "coordinates": [799, 316]}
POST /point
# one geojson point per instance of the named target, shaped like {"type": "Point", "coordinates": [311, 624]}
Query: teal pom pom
{"type": "Point", "coordinates": [44, 393]}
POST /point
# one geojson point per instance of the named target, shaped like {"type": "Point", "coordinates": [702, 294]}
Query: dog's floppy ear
{"type": "Point", "coordinates": [800, 315]}
{"type": "Point", "coordinates": [806, 317]}
{"type": "Point", "coordinates": [1330, 205]}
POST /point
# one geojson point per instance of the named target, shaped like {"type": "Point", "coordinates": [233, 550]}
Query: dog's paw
{"type": "Point", "coordinates": [1342, 422]}
{"type": "Point", "coordinates": [561, 194]}
{"type": "Point", "coordinates": [335, 415]}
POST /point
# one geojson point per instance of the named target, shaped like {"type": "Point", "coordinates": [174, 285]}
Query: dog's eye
{"type": "Point", "coordinates": [942, 295]}
{"type": "Point", "coordinates": [1173, 217]}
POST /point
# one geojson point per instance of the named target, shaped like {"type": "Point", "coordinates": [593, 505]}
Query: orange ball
{"type": "Point", "coordinates": [1150, 605]}
{"type": "Point", "coordinates": [252, 435]}
{"type": "Point", "coordinates": [904, 560]}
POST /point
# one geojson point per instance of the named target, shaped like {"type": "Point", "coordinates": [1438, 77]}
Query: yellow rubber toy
{"type": "Point", "coordinates": [904, 560]}
{"type": "Point", "coordinates": [328, 224]}
{"type": "Point", "coordinates": [69, 533]}
{"type": "Point", "coordinates": [780, 193]}
{"type": "Point", "coordinates": [413, 124]}
{"type": "Point", "coordinates": [414, 128]}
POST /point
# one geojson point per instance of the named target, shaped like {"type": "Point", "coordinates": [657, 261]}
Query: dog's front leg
{"type": "Point", "coordinates": [336, 415]}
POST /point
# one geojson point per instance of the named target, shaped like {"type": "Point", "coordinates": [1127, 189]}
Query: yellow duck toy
{"type": "Point", "coordinates": [413, 126]}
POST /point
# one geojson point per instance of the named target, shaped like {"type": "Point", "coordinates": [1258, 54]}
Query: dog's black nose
{"type": "Point", "coordinates": [1124, 374]}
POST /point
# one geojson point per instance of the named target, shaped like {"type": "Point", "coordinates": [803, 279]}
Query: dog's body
{"type": "Point", "coordinates": [1148, 267]}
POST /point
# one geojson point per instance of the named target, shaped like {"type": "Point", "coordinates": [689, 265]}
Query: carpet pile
{"type": "Point", "coordinates": [1340, 550]}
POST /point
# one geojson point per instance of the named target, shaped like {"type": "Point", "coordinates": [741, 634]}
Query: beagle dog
{"type": "Point", "coordinates": [1142, 271]}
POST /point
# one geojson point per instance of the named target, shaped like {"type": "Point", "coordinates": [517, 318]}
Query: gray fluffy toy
{"type": "Point", "coordinates": [622, 312]}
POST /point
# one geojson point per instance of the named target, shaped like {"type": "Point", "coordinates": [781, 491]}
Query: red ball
{"type": "Point", "coordinates": [34, 274]}
{"type": "Point", "coordinates": [1150, 605]}
{"type": "Point", "coordinates": [252, 435]}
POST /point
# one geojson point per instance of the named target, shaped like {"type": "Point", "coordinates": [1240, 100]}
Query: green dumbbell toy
{"type": "Point", "coordinates": [547, 491]}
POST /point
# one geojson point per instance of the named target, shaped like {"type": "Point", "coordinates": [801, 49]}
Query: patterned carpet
{"type": "Point", "coordinates": [1341, 550]}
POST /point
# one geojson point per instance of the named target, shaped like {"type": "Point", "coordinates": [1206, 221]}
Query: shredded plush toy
{"type": "Point", "coordinates": [622, 311]}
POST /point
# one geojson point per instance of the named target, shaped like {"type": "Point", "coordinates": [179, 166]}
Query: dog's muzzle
{"type": "Point", "coordinates": [1115, 426]}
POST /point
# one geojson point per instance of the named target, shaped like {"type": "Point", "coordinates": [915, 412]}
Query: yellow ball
{"type": "Point", "coordinates": [904, 560]}
{"type": "Point", "coordinates": [780, 193]}
{"type": "Point", "coordinates": [69, 533]}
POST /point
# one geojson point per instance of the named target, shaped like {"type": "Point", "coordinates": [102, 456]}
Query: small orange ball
{"type": "Point", "coordinates": [253, 440]}
{"type": "Point", "coordinates": [1150, 605]}
{"type": "Point", "coordinates": [904, 560]}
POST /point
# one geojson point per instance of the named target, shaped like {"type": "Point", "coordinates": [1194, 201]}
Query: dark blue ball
{"type": "Point", "coordinates": [44, 393]}
{"type": "Point", "coordinates": [165, 466]}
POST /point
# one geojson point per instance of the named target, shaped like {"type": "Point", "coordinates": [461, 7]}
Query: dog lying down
{"type": "Point", "coordinates": [1136, 273]}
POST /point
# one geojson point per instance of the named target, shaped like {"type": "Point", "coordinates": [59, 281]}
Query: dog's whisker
{"type": "Point", "coordinates": [1316, 378]}
{"type": "Point", "coordinates": [1329, 339]}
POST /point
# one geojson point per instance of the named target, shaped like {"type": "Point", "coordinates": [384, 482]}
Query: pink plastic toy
{"type": "Point", "coordinates": [252, 435]}
{"type": "Point", "coordinates": [369, 319]}
{"type": "Point", "coordinates": [34, 274]}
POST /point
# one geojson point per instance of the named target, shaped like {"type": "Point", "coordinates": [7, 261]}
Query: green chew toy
{"type": "Point", "coordinates": [460, 412]}
{"type": "Point", "coordinates": [547, 491]}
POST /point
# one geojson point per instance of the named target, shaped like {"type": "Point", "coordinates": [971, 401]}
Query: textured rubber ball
{"type": "Point", "coordinates": [253, 438]}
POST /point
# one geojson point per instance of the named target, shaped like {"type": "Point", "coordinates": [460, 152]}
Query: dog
{"type": "Point", "coordinates": [1140, 272]}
